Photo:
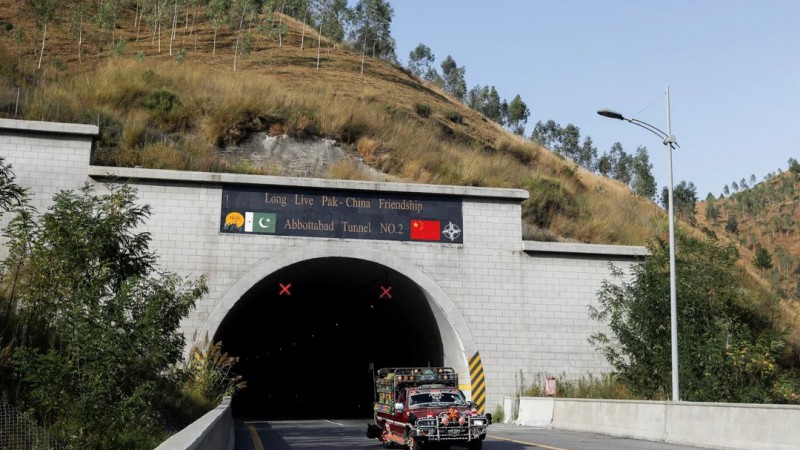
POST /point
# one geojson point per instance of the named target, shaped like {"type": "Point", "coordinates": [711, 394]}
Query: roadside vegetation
{"type": "Point", "coordinates": [90, 341]}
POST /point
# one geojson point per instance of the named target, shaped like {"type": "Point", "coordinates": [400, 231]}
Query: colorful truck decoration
{"type": "Point", "coordinates": [417, 406]}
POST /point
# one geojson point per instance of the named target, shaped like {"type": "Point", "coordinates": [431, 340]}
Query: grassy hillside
{"type": "Point", "coordinates": [162, 110]}
{"type": "Point", "coordinates": [764, 216]}
{"type": "Point", "coordinates": [157, 110]}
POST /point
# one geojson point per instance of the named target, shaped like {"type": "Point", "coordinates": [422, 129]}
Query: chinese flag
{"type": "Point", "coordinates": [425, 230]}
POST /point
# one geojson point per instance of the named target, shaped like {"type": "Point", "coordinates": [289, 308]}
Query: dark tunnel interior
{"type": "Point", "coordinates": [305, 337]}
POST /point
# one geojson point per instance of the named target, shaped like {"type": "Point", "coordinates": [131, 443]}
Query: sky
{"type": "Point", "coordinates": [732, 68]}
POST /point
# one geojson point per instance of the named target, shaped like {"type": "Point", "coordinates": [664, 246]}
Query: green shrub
{"type": "Point", "coordinates": [161, 101]}
{"type": "Point", "coordinates": [455, 117]}
{"type": "Point", "coordinates": [422, 110]}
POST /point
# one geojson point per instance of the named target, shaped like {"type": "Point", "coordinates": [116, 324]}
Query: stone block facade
{"type": "Point", "coordinates": [522, 305]}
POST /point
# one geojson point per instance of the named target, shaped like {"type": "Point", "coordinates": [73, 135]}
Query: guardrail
{"type": "Point", "coordinates": [213, 431]}
{"type": "Point", "coordinates": [715, 425]}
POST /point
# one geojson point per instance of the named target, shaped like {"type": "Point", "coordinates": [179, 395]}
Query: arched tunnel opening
{"type": "Point", "coordinates": [306, 335]}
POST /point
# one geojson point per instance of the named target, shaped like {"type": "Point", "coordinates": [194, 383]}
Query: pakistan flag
{"type": "Point", "coordinates": [259, 222]}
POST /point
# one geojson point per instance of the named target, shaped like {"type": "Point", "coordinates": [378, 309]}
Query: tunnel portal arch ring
{"type": "Point", "coordinates": [442, 304]}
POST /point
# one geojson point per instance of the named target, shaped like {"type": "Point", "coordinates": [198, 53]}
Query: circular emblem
{"type": "Point", "coordinates": [451, 231]}
{"type": "Point", "coordinates": [234, 219]}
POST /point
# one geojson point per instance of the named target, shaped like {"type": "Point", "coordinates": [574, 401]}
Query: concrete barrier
{"type": "Point", "coordinates": [734, 425]}
{"type": "Point", "coordinates": [712, 425]}
{"type": "Point", "coordinates": [535, 411]}
{"type": "Point", "coordinates": [213, 431]}
{"type": "Point", "coordinates": [635, 419]}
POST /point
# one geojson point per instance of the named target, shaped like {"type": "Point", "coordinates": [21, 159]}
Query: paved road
{"type": "Point", "coordinates": [350, 434]}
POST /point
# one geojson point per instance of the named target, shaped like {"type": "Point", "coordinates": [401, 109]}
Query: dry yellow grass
{"type": "Point", "coordinates": [278, 89]}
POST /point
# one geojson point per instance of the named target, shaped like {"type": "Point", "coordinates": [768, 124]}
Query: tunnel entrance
{"type": "Point", "coordinates": [305, 336]}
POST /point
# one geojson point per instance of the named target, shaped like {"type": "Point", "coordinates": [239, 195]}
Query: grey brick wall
{"type": "Point", "coordinates": [522, 305]}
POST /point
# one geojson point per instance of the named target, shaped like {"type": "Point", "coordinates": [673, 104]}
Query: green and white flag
{"type": "Point", "coordinates": [259, 222]}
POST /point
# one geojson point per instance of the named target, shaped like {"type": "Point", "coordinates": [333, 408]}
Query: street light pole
{"type": "Point", "coordinates": [673, 303]}
{"type": "Point", "coordinates": [669, 141]}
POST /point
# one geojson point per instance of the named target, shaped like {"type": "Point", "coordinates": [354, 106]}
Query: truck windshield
{"type": "Point", "coordinates": [434, 398]}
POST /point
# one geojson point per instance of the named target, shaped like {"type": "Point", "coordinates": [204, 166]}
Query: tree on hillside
{"type": "Point", "coordinates": [763, 259]}
{"type": "Point", "coordinates": [712, 210]}
{"type": "Point", "coordinates": [547, 134]}
{"type": "Point", "coordinates": [732, 225]}
{"type": "Point", "coordinates": [333, 19]}
{"type": "Point", "coordinates": [241, 11]}
{"type": "Point", "coordinates": [217, 12]}
{"type": "Point", "coordinates": [372, 30]}
{"type": "Point", "coordinates": [453, 76]}
{"type": "Point", "coordinates": [486, 100]}
{"type": "Point", "coordinates": [517, 117]}
{"type": "Point", "coordinates": [588, 154]}
{"type": "Point", "coordinates": [735, 186]}
{"type": "Point", "coordinates": [643, 183]}
{"type": "Point", "coordinates": [569, 143]}
{"type": "Point", "coordinates": [78, 12]}
{"type": "Point", "coordinates": [726, 191]}
{"type": "Point", "coordinates": [685, 197]}
{"type": "Point", "coordinates": [44, 12]}
{"type": "Point", "coordinates": [727, 353]}
{"type": "Point", "coordinates": [420, 60]}
{"type": "Point", "coordinates": [604, 165]}
{"type": "Point", "coordinates": [109, 10]}
{"type": "Point", "coordinates": [620, 162]}
{"type": "Point", "coordinates": [794, 166]}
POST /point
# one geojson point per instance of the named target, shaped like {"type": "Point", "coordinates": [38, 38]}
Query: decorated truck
{"type": "Point", "coordinates": [417, 407]}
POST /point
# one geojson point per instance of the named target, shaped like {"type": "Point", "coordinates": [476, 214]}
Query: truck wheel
{"type": "Point", "coordinates": [475, 445]}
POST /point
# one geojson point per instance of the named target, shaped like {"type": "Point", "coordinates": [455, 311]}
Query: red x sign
{"type": "Point", "coordinates": [386, 292]}
{"type": "Point", "coordinates": [285, 289]}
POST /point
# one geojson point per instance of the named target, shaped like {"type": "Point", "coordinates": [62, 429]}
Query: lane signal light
{"type": "Point", "coordinates": [386, 292]}
{"type": "Point", "coordinates": [285, 289]}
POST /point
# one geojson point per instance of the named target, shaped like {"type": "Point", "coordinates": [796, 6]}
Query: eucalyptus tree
{"type": "Point", "coordinates": [372, 21]}
{"type": "Point", "coordinates": [712, 210]}
{"type": "Point", "coordinates": [643, 183]}
{"type": "Point", "coordinates": [517, 116]}
{"type": "Point", "coordinates": [217, 12]}
{"type": "Point", "coordinates": [79, 11]}
{"type": "Point", "coordinates": [684, 196]}
{"type": "Point", "coordinates": [242, 9]}
{"type": "Point", "coordinates": [333, 21]}
{"type": "Point", "coordinates": [420, 60]}
{"type": "Point", "coordinates": [453, 76]}
{"type": "Point", "coordinates": [587, 156]}
{"type": "Point", "coordinates": [547, 134]}
{"type": "Point", "coordinates": [568, 144]}
{"type": "Point", "coordinates": [330, 16]}
{"type": "Point", "coordinates": [106, 16]}
{"type": "Point", "coordinates": [486, 100]}
{"type": "Point", "coordinates": [620, 164]}
{"type": "Point", "coordinates": [44, 12]}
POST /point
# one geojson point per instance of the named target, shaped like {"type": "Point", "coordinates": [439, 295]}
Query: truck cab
{"type": "Point", "coordinates": [415, 407]}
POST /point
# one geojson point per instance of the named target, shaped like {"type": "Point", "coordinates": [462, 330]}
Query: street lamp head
{"type": "Point", "coordinates": [610, 114]}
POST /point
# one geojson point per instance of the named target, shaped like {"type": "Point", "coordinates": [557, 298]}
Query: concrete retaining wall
{"type": "Point", "coordinates": [213, 431]}
{"type": "Point", "coordinates": [712, 425]}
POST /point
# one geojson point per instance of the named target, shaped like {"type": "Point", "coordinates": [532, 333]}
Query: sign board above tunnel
{"type": "Point", "coordinates": [330, 213]}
